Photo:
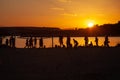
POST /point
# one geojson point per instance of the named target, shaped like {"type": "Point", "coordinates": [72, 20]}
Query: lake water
{"type": "Point", "coordinates": [20, 42]}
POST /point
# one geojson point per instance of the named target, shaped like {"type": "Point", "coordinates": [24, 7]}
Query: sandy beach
{"type": "Point", "coordinates": [60, 63]}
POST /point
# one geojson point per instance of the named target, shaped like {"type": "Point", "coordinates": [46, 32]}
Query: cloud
{"type": "Point", "coordinates": [64, 1]}
{"type": "Point", "coordinates": [69, 14]}
{"type": "Point", "coordinates": [57, 8]}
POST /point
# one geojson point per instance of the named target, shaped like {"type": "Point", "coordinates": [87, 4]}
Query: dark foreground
{"type": "Point", "coordinates": [60, 64]}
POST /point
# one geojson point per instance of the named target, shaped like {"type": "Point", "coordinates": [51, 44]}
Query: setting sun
{"type": "Point", "coordinates": [90, 24]}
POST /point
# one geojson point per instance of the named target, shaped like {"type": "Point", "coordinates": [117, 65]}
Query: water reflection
{"type": "Point", "coordinates": [21, 42]}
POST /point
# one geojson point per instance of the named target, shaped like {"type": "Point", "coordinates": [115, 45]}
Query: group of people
{"type": "Point", "coordinates": [87, 44]}
{"type": "Point", "coordinates": [68, 42]}
{"type": "Point", "coordinates": [31, 43]}
{"type": "Point", "coordinates": [11, 42]}
{"type": "Point", "coordinates": [106, 41]}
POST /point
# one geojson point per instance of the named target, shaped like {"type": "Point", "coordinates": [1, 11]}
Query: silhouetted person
{"type": "Point", "coordinates": [91, 44]}
{"type": "Point", "coordinates": [61, 41]}
{"type": "Point", "coordinates": [63, 46]}
{"type": "Point", "coordinates": [13, 42]}
{"type": "Point", "coordinates": [75, 43]}
{"type": "Point", "coordinates": [7, 41]}
{"type": "Point", "coordinates": [31, 42]}
{"type": "Point", "coordinates": [10, 41]}
{"type": "Point", "coordinates": [27, 43]}
{"type": "Point", "coordinates": [35, 42]}
{"type": "Point", "coordinates": [106, 42]}
{"type": "Point", "coordinates": [0, 40]}
{"type": "Point", "coordinates": [68, 42]}
{"type": "Point", "coordinates": [96, 41]}
{"type": "Point", "coordinates": [86, 40]}
{"type": "Point", "coordinates": [41, 42]}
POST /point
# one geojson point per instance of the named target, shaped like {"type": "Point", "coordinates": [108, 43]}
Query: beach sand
{"type": "Point", "coordinates": [60, 64]}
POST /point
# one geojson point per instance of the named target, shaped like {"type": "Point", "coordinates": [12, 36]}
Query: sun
{"type": "Point", "coordinates": [90, 24]}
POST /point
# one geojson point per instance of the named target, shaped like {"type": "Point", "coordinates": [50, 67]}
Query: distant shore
{"type": "Point", "coordinates": [110, 29]}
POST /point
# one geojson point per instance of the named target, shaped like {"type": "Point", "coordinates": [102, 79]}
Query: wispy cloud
{"type": "Point", "coordinates": [64, 1]}
{"type": "Point", "coordinates": [57, 8]}
{"type": "Point", "coordinates": [69, 14]}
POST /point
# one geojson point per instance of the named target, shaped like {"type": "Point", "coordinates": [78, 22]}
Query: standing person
{"type": "Point", "coordinates": [35, 42]}
{"type": "Point", "coordinates": [41, 42]}
{"type": "Point", "coordinates": [75, 43]}
{"type": "Point", "coordinates": [7, 41]}
{"type": "Point", "coordinates": [0, 40]}
{"type": "Point", "coordinates": [31, 42]}
{"type": "Point", "coordinates": [27, 43]}
{"type": "Point", "coordinates": [106, 42]}
{"type": "Point", "coordinates": [86, 40]}
{"type": "Point", "coordinates": [13, 42]}
{"type": "Point", "coordinates": [96, 41]}
{"type": "Point", "coordinates": [61, 41]}
{"type": "Point", "coordinates": [10, 41]}
{"type": "Point", "coordinates": [68, 42]}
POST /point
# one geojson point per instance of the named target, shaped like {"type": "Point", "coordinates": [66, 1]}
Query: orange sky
{"type": "Point", "coordinates": [58, 13]}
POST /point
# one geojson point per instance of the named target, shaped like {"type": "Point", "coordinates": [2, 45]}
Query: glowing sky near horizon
{"type": "Point", "coordinates": [58, 13]}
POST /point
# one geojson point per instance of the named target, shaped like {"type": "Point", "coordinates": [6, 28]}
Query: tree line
{"type": "Point", "coordinates": [97, 30]}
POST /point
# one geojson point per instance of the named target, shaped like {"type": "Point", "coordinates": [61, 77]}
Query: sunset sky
{"type": "Point", "coordinates": [58, 13]}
